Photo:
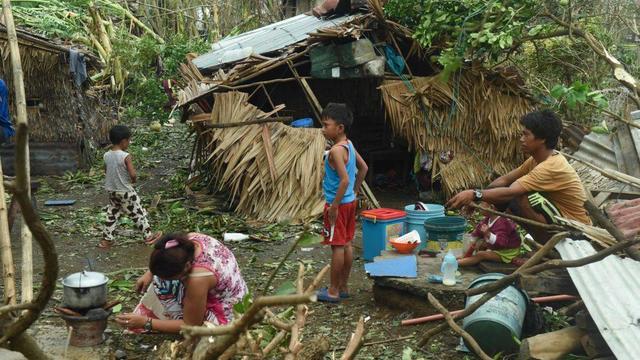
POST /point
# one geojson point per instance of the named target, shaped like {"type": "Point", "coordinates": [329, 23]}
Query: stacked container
{"type": "Point", "coordinates": [416, 218]}
{"type": "Point", "coordinates": [445, 233]}
{"type": "Point", "coordinates": [378, 226]}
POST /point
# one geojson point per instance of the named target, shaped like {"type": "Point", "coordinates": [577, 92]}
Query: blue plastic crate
{"type": "Point", "coordinates": [378, 226]}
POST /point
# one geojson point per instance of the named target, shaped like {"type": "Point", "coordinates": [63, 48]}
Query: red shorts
{"type": "Point", "coordinates": [345, 227]}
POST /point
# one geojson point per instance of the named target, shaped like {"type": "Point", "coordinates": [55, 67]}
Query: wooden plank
{"type": "Point", "coordinates": [553, 345]}
{"type": "Point", "coordinates": [601, 198]}
{"type": "Point", "coordinates": [549, 283]}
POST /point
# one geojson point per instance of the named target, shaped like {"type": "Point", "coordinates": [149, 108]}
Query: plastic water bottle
{"type": "Point", "coordinates": [449, 267]}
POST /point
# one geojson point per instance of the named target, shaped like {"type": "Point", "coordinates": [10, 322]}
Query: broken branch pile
{"type": "Point", "coordinates": [244, 338]}
{"type": "Point", "coordinates": [271, 170]}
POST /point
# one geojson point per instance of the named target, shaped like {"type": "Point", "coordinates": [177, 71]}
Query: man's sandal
{"type": "Point", "coordinates": [323, 296]}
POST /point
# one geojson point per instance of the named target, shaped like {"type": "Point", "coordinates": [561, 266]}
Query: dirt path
{"type": "Point", "coordinates": [161, 160]}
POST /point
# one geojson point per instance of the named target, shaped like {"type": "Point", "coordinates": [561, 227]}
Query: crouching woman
{"type": "Point", "coordinates": [192, 278]}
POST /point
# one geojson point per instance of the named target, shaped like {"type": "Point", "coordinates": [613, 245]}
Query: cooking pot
{"type": "Point", "coordinates": [85, 290]}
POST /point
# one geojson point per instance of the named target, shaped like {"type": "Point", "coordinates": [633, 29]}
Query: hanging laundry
{"type": "Point", "coordinates": [77, 67]}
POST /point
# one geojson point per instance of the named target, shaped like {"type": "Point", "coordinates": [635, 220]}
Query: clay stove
{"type": "Point", "coordinates": [87, 327]}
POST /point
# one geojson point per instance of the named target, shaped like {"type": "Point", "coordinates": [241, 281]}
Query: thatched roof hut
{"type": "Point", "coordinates": [66, 122]}
{"type": "Point", "coordinates": [304, 63]}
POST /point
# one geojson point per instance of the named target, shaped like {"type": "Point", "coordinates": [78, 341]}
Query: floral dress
{"type": "Point", "coordinates": [230, 288]}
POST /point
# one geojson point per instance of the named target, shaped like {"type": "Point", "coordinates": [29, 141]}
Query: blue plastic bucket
{"type": "Point", "coordinates": [445, 233]}
{"type": "Point", "coordinates": [416, 218]}
{"type": "Point", "coordinates": [497, 323]}
{"type": "Point", "coordinates": [303, 123]}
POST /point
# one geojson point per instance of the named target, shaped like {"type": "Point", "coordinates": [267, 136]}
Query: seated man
{"type": "Point", "coordinates": [545, 185]}
{"type": "Point", "coordinates": [330, 8]}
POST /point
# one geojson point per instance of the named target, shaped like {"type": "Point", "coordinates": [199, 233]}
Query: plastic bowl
{"type": "Point", "coordinates": [404, 248]}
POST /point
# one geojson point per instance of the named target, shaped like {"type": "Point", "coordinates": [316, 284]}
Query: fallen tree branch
{"type": "Point", "coordinates": [301, 316]}
{"type": "Point", "coordinates": [557, 264]}
{"type": "Point", "coordinates": [509, 279]}
{"type": "Point", "coordinates": [455, 327]}
{"type": "Point", "coordinates": [619, 72]}
{"type": "Point", "coordinates": [229, 334]}
{"type": "Point", "coordinates": [274, 321]}
{"type": "Point", "coordinates": [274, 343]}
{"type": "Point", "coordinates": [537, 257]}
{"type": "Point", "coordinates": [238, 325]}
{"type": "Point", "coordinates": [9, 308]}
{"type": "Point", "coordinates": [354, 345]}
{"type": "Point", "coordinates": [532, 266]}
{"type": "Point", "coordinates": [613, 115]}
{"type": "Point", "coordinates": [380, 342]}
{"type": "Point", "coordinates": [518, 219]}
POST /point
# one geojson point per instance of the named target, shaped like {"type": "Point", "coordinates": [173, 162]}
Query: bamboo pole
{"type": "Point", "coordinates": [136, 21]}
{"type": "Point", "coordinates": [15, 330]}
{"type": "Point", "coordinates": [8, 272]}
{"type": "Point", "coordinates": [21, 111]}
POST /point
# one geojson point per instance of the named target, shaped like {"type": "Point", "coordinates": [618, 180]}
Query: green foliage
{"type": "Point", "coordinates": [517, 33]}
{"type": "Point", "coordinates": [244, 305]}
{"type": "Point", "coordinates": [309, 238]}
{"type": "Point", "coordinates": [287, 288]}
{"type": "Point", "coordinates": [144, 95]}
{"type": "Point", "coordinates": [468, 29]}
{"type": "Point", "coordinates": [554, 321]}
{"type": "Point", "coordinates": [578, 100]}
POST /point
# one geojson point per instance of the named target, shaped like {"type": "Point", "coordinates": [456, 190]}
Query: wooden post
{"type": "Point", "coordinates": [21, 110]}
{"type": "Point", "coordinates": [8, 272]}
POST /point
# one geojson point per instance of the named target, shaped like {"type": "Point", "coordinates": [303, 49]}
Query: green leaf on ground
{"type": "Point", "coordinates": [308, 238]}
{"type": "Point", "coordinates": [116, 309]}
{"type": "Point", "coordinates": [287, 288]}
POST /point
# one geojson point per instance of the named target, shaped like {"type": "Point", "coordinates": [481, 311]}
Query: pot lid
{"type": "Point", "coordinates": [85, 279]}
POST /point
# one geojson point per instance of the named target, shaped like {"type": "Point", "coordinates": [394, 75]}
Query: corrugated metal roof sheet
{"type": "Point", "coordinates": [598, 150]}
{"type": "Point", "coordinates": [626, 216]}
{"type": "Point", "coordinates": [264, 40]}
{"type": "Point", "coordinates": [610, 290]}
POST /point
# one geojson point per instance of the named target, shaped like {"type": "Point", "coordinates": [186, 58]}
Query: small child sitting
{"type": "Point", "coordinates": [496, 234]}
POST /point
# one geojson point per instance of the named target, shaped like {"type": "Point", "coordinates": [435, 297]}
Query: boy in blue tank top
{"type": "Point", "coordinates": [344, 171]}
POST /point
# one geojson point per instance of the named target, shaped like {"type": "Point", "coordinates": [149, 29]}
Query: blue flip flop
{"type": "Point", "coordinates": [344, 295]}
{"type": "Point", "coordinates": [323, 295]}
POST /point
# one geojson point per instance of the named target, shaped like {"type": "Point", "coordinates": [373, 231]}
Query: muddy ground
{"type": "Point", "coordinates": [161, 160]}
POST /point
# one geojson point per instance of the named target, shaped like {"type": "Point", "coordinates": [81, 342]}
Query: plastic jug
{"type": "Point", "coordinates": [449, 267]}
